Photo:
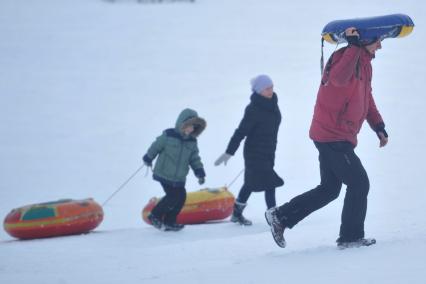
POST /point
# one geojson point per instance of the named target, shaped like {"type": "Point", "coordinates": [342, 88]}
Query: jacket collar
{"type": "Point", "coordinates": [172, 132]}
{"type": "Point", "coordinates": [366, 56]}
{"type": "Point", "coordinates": [265, 103]}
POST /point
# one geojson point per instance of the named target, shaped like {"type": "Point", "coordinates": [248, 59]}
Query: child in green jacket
{"type": "Point", "coordinates": [177, 150]}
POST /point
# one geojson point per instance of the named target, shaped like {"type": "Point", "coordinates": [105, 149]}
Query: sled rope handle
{"type": "Point", "coordinates": [235, 179]}
{"type": "Point", "coordinates": [123, 185]}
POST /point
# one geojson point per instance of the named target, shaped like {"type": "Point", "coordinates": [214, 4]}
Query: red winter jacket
{"type": "Point", "coordinates": [344, 98]}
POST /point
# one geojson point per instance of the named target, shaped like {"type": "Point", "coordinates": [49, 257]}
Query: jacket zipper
{"type": "Point", "coordinates": [342, 112]}
{"type": "Point", "coordinates": [180, 157]}
{"type": "Point", "coordinates": [366, 81]}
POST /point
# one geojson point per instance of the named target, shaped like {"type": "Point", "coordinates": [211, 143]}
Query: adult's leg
{"type": "Point", "coordinates": [355, 203]}
{"type": "Point", "coordinates": [270, 198]}
{"type": "Point", "coordinates": [301, 206]}
{"type": "Point", "coordinates": [244, 194]}
{"type": "Point", "coordinates": [240, 204]}
{"type": "Point", "coordinates": [338, 163]}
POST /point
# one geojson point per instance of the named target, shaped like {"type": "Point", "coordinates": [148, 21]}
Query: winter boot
{"type": "Point", "coordinates": [277, 227]}
{"type": "Point", "coordinates": [361, 242]}
{"type": "Point", "coordinates": [173, 227]}
{"type": "Point", "coordinates": [237, 215]}
{"type": "Point", "coordinates": [156, 222]}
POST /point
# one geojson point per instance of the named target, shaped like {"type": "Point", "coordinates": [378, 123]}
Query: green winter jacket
{"type": "Point", "coordinates": [177, 152]}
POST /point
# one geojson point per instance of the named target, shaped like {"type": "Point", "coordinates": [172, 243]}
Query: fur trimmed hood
{"type": "Point", "coordinates": [190, 117]}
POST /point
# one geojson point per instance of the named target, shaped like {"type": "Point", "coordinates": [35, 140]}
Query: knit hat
{"type": "Point", "coordinates": [260, 83]}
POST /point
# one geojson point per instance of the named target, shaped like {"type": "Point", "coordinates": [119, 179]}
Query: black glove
{"type": "Point", "coordinates": [381, 128]}
{"type": "Point", "coordinates": [353, 40]}
{"type": "Point", "coordinates": [201, 180]}
{"type": "Point", "coordinates": [147, 161]}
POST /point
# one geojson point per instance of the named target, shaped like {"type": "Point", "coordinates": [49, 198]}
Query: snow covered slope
{"type": "Point", "coordinates": [86, 86]}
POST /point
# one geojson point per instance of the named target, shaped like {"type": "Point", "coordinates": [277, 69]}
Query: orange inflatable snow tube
{"type": "Point", "coordinates": [57, 218]}
{"type": "Point", "coordinates": [200, 206]}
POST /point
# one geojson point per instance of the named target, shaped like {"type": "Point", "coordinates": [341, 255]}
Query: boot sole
{"type": "Point", "coordinates": [240, 223]}
{"type": "Point", "coordinates": [281, 245]}
{"type": "Point", "coordinates": [171, 230]}
{"type": "Point", "coordinates": [267, 220]}
{"type": "Point", "coordinates": [355, 245]}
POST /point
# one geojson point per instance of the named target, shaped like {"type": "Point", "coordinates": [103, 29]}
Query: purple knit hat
{"type": "Point", "coordinates": [260, 83]}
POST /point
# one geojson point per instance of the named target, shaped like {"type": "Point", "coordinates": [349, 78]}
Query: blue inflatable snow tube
{"type": "Point", "coordinates": [370, 29]}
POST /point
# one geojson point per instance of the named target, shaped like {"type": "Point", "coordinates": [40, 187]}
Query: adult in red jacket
{"type": "Point", "coordinates": [344, 101]}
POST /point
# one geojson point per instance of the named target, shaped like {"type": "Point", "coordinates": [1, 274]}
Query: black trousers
{"type": "Point", "coordinates": [245, 193]}
{"type": "Point", "coordinates": [338, 164]}
{"type": "Point", "coordinates": [170, 205]}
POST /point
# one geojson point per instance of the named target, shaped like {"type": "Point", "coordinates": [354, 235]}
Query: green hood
{"type": "Point", "coordinates": [183, 116]}
{"type": "Point", "coordinates": [187, 117]}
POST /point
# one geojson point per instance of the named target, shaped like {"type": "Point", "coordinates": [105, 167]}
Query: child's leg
{"type": "Point", "coordinates": [179, 197]}
{"type": "Point", "coordinates": [165, 203]}
{"type": "Point", "coordinates": [270, 198]}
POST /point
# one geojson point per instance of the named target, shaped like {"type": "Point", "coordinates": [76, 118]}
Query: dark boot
{"type": "Point", "coordinates": [237, 215]}
{"type": "Point", "coordinates": [156, 222]}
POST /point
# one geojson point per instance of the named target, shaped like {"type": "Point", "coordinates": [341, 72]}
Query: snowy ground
{"type": "Point", "coordinates": [86, 85]}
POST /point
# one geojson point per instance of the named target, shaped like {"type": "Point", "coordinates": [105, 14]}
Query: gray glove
{"type": "Point", "coordinates": [222, 159]}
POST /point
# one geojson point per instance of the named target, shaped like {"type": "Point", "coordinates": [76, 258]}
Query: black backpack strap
{"type": "Point", "coordinates": [322, 56]}
{"type": "Point", "coordinates": [327, 66]}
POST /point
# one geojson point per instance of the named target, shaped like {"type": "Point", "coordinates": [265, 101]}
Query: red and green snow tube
{"type": "Point", "coordinates": [51, 219]}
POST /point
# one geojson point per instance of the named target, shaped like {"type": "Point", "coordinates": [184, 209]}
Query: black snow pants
{"type": "Point", "coordinates": [338, 164]}
{"type": "Point", "coordinates": [170, 205]}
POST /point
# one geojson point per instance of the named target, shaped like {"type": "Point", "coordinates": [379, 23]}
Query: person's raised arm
{"type": "Point", "coordinates": [342, 70]}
